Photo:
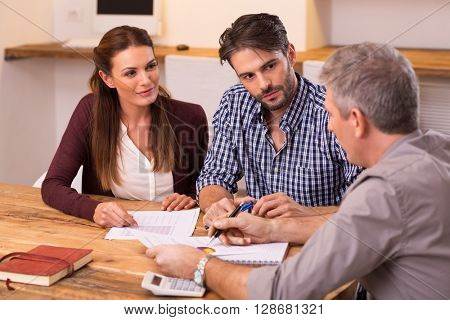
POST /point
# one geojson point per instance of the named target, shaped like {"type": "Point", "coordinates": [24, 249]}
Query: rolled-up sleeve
{"type": "Point", "coordinates": [366, 231]}
{"type": "Point", "coordinates": [221, 165]}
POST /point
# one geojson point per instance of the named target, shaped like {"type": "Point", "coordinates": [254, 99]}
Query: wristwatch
{"type": "Point", "coordinates": [199, 273]}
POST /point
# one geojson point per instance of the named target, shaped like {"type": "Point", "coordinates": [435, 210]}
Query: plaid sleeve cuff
{"type": "Point", "coordinates": [208, 181]}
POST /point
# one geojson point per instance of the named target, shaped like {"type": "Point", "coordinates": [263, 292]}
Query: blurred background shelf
{"type": "Point", "coordinates": [426, 62]}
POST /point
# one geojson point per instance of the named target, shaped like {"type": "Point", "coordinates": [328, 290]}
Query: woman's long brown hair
{"type": "Point", "coordinates": [106, 120]}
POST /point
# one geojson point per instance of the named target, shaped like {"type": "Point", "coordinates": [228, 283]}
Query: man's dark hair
{"type": "Point", "coordinates": [259, 31]}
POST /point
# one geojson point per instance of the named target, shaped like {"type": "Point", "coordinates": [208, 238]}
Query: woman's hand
{"type": "Point", "coordinates": [177, 201]}
{"type": "Point", "coordinates": [110, 214]}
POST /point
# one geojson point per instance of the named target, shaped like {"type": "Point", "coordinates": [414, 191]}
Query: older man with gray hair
{"type": "Point", "coordinates": [392, 230]}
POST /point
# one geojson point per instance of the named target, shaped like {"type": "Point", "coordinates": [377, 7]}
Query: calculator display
{"type": "Point", "coordinates": [156, 280]}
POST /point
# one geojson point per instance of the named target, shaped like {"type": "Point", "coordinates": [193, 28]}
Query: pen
{"type": "Point", "coordinates": [241, 207]}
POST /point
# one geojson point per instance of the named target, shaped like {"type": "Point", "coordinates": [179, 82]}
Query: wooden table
{"type": "Point", "coordinates": [117, 268]}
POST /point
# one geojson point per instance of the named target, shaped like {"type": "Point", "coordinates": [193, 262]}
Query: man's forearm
{"type": "Point", "coordinates": [211, 194]}
{"type": "Point", "coordinates": [297, 229]}
{"type": "Point", "coordinates": [226, 279]}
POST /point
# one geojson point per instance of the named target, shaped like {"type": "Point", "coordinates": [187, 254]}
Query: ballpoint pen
{"type": "Point", "coordinates": [241, 207]}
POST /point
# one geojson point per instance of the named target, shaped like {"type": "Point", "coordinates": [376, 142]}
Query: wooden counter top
{"type": "Point", "coordinates": [426, 62]}
{"type": "Point", "coordinates": [56, 50]}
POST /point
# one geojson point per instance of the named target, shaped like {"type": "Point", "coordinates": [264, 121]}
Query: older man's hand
{"type": "Point", "coordinates": [176, 260]}
{"type": "Point", "coordinates": [245, 229]}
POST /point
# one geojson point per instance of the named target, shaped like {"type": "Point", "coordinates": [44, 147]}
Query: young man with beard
{"type": "Point", "coordinates": [272, 129]}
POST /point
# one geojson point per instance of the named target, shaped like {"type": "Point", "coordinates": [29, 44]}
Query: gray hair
{"type": "Point", "coordinates": [379, 81]}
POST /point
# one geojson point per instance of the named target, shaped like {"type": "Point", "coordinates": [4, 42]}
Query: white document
{"type": "Point", "coordinates": [175, 223]}
{"type": "Point", "coordinates": [152, 240]}
{"type": "Point", "coordinates": [268, 253]}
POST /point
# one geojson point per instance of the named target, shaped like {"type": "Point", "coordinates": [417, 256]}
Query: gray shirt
{"type": "Point", "coordinates": [391, 232]}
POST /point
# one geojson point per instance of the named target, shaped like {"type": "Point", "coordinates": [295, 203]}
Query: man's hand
{"type": "Point", "coordinates": [280, 205]}
{"type": "Point", "coordinates": [245, 229]}
{"type": "Point", "coordinates": [223, 208]}
{"type": "Point", "coordinates": [217, 210]}
{"type": "Point", "coordinates": [176, 260]}
{"type": "Point", "coordinates": [177, 201]}
{"type": "Point", "coordinates": [110, 214]}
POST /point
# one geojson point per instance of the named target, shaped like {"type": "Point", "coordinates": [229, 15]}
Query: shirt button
{"type": "Point", "coordinates": [275, 170]}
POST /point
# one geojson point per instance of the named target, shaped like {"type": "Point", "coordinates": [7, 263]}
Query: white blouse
{"type": "Point", "coordinates": [139, 181]}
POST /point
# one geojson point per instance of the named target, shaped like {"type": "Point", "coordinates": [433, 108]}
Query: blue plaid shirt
{"type": "Point", "coordinates": [311, 167]}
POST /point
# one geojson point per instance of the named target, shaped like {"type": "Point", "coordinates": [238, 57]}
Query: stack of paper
{"type": "Point", "coordinates": [175, 223]}
{"type": "Point", "coordinates": [176, 227]}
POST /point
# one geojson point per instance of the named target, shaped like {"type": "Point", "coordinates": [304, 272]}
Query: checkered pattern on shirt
{"type": "Point", "coordinates": [311, 167]}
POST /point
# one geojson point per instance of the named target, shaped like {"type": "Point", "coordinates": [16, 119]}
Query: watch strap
{"type": "Point", "coordinates": [199, 273]}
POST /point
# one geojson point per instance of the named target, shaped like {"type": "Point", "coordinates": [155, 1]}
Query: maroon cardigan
{"type": "Point", "coordinates": [191, 130]}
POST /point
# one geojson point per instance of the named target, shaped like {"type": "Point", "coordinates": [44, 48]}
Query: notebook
{"type": "Point", "coordinates": [43, 265]}
{"type": "Point", "coordinates": [254, 254]}
{"type": "Point", "coordinates": [272, 255]}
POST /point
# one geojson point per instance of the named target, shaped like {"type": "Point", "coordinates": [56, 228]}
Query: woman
{"type": "Point", "coordinates": [132, 140]}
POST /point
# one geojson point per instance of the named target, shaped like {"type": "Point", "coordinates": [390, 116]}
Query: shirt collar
{"type": "Point", "coordinates": [292, 116]}
{"type": "Point", "coordinates": [416, 133]}
{"type": "Point", "coordinates": [294, 113]}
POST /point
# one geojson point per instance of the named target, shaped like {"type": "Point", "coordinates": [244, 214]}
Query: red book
{"type": "Point", "coordinates": [44, 265]}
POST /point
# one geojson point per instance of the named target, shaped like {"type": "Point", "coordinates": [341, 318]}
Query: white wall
{"type": "Point", "coordinates": [382, 20]}
{"type": "Point", "coordinates": [318, 22]}
{"type": "Point", "coordinates": [26, 93]}
{"type": "Point", "coordinates": [71, 84]}
{"type": "Point", "coordinates": [73, 19]}
{"type": "Point", "coordinates": [198, 23]}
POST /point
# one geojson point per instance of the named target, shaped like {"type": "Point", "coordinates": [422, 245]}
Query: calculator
{"type": "Point", "coordinates": [165, 286]}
